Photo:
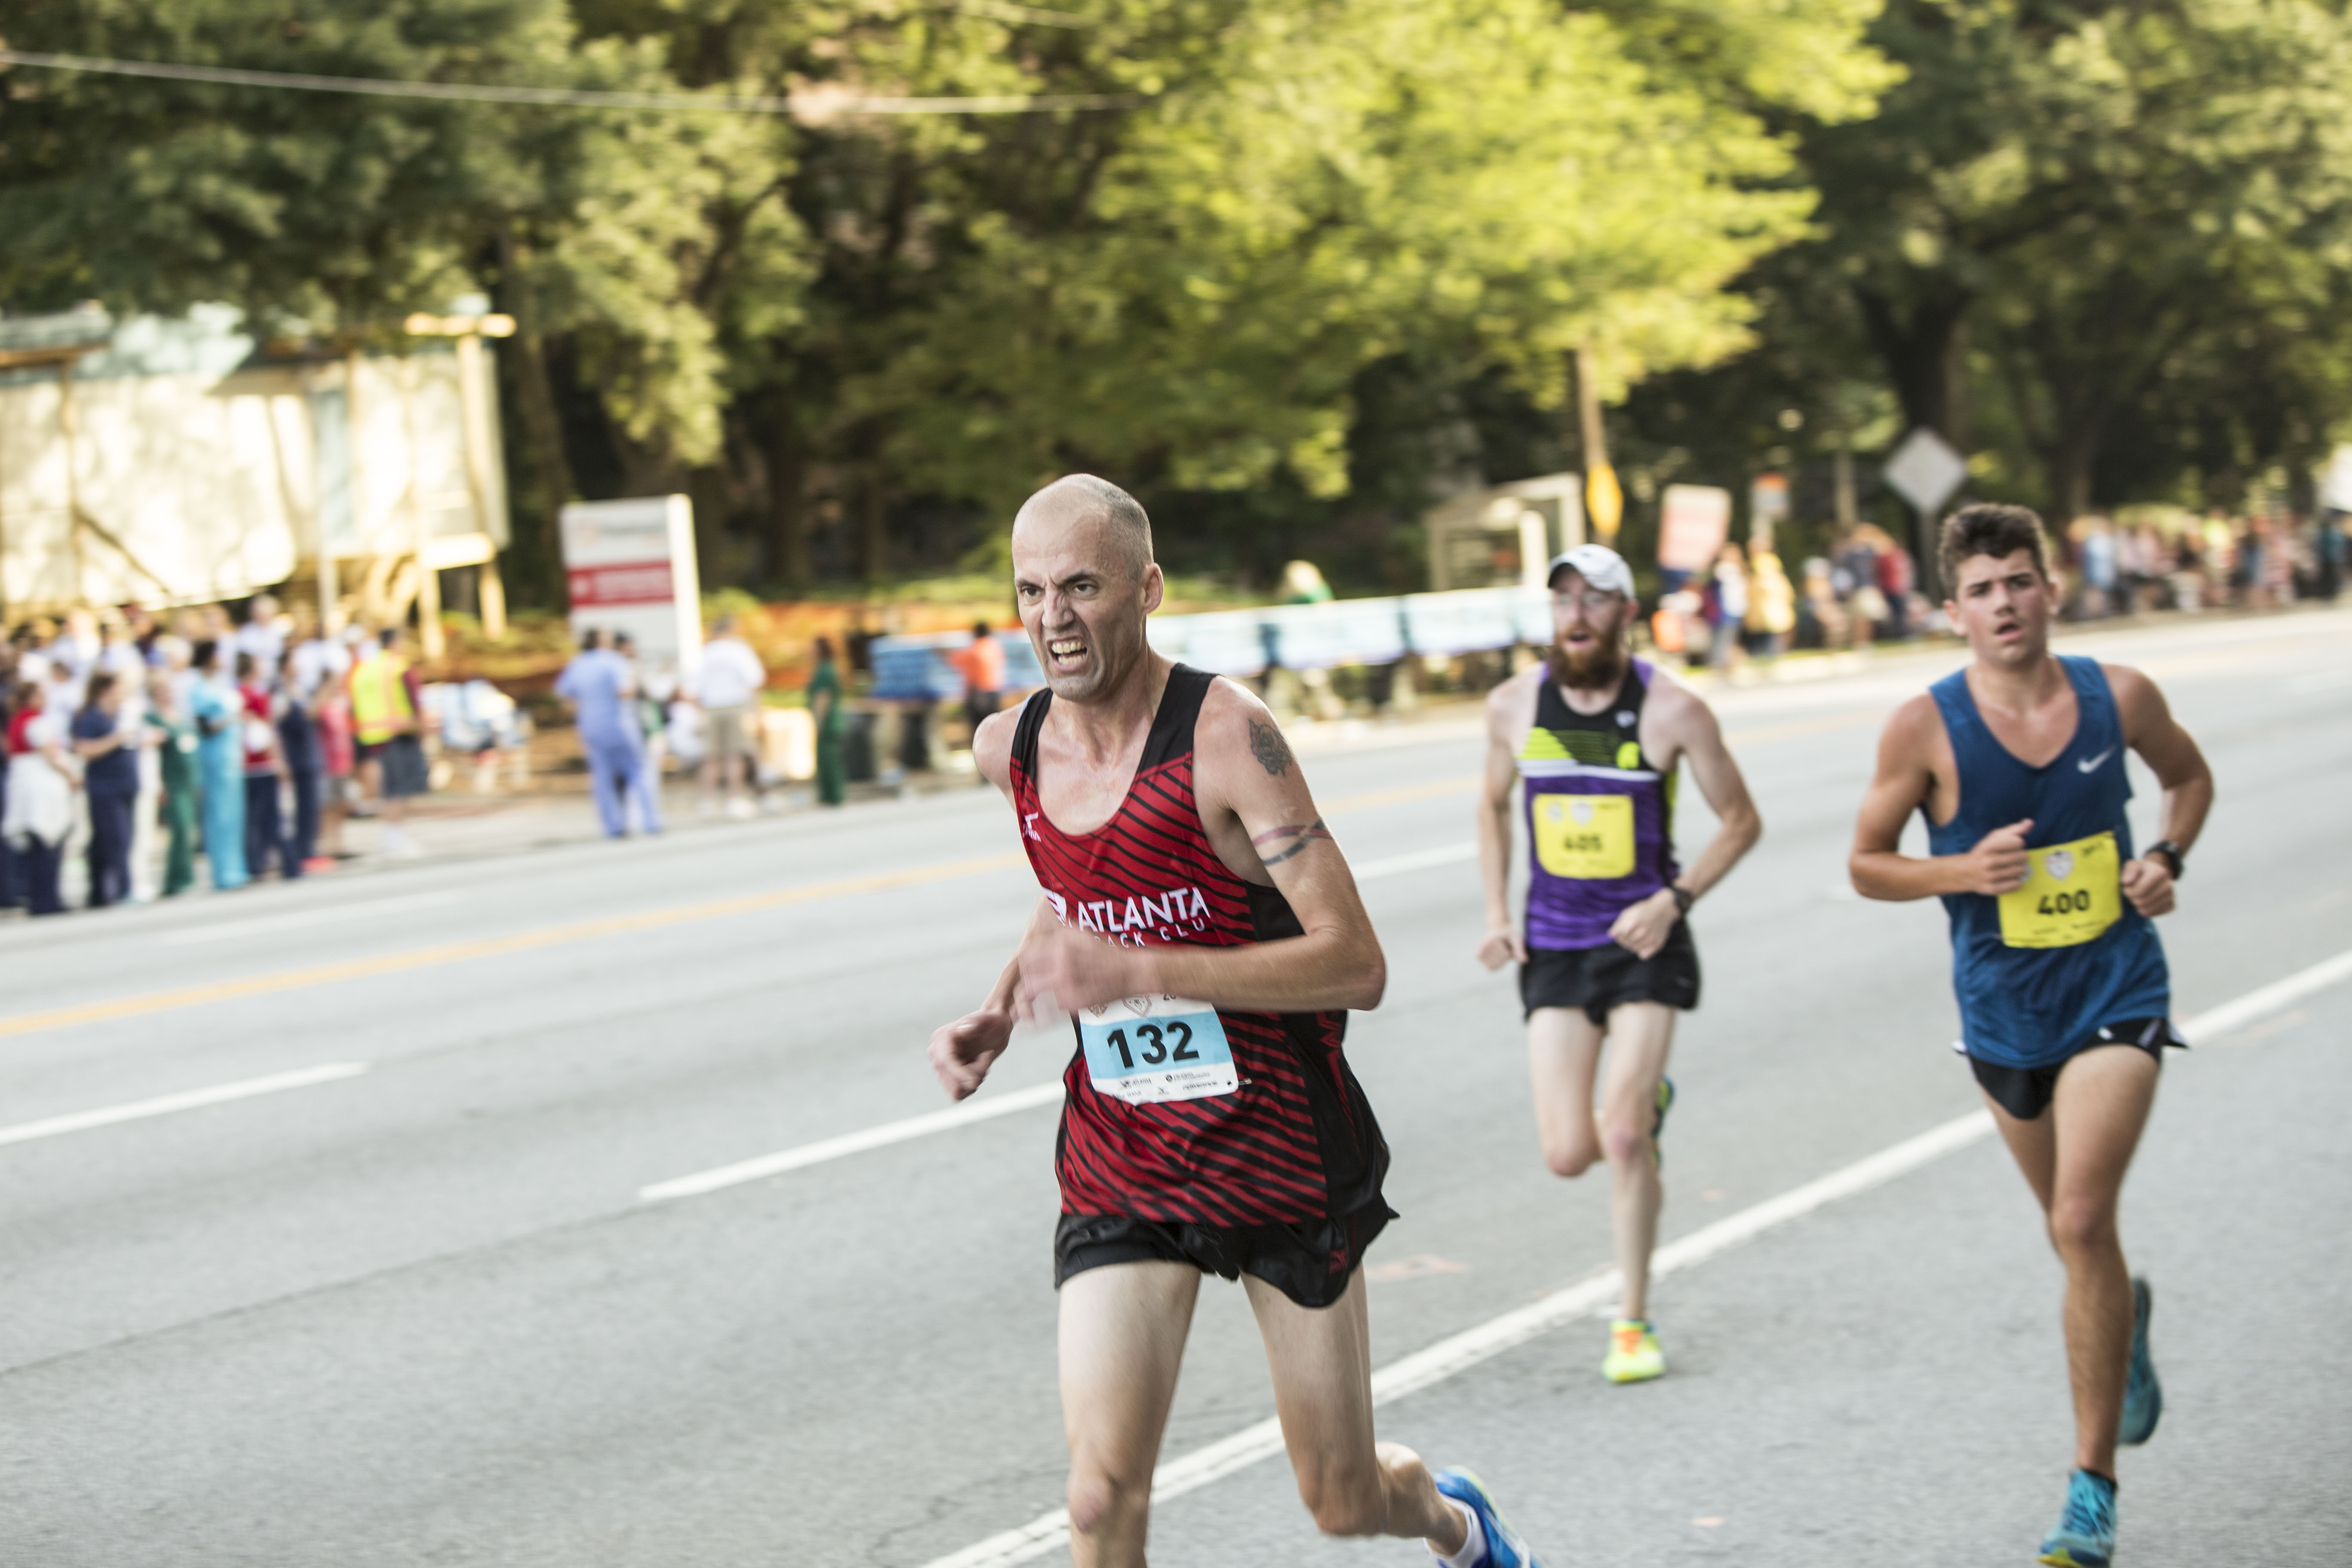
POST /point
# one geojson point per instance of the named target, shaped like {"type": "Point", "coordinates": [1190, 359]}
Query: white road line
{"type": "Point", "coordinates": [1419, 860]}
{"type": "Point", "coordinates": [264, 925]}
{"type": "Point", "coordinates": [163, 1105]}
{"type": "Point", "coordinates": [1050, 1531]}
{"type": "Point", "coordinates": [2212, 1025]}
{"type": "Point", "coordinates": [889, 1132]}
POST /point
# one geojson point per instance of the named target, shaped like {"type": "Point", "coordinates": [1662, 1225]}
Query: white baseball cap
{"type": "Point", "coordinates": [1596, 564]}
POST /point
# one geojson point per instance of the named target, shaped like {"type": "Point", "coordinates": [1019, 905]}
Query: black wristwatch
{"type": "Point", "coordinates": [1684, 898]}
{"type": "Point", "coordinates": [2171, 851]}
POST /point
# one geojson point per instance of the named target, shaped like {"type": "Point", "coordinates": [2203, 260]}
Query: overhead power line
{"type": "Point", "coordinates": [692, 103]}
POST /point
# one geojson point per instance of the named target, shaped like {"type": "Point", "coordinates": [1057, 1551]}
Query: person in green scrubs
{"type": "Point", "coordinates": [825, 710]}
{"type": "Point", "coordinates": [175, 749]}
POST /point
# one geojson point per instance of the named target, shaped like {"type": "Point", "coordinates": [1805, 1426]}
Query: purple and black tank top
{"type": "Point", "coordinates": [1599, 816]}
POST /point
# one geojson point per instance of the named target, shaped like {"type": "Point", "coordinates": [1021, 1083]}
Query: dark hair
{"type": "Point", "coordinates": [824, 647]}
{"type": "Point", "coordinates": [202, 656]}
{"type": "Point", "coordinates": [980, 628]}
{"type": "Point", "coordinates": [246, 665]}
{"type": "Point", "coordinates": [387, 636]}
{"type": "Point", "coordinates": [591, 640]}
{"type": "Point", "coordinates": [100, 682]}
{"type": "Point", "coordinates": [27, 693]}
{"type": "Point", "coordinates": [1990, 528]}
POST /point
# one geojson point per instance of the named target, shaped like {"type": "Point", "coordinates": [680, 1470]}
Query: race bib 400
{"type": "Point", "coordinates": [2074, 892]}
{"type": "Point", "coordinates": [1145, 1049]}
{"type": "Point", "coordinates": [1587, 837]}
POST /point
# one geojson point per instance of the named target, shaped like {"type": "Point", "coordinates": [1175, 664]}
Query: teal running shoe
{"type": "Point", "coordinates": [2143, 1395]}
{"type": "Point", "coordinates": [2085, 1536]}
{"type": "Point", "coordinates": [1505, 1549]}
{"type": "Point", "coordinates": [1658, 1126]}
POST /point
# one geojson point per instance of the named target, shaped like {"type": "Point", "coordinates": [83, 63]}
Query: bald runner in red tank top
{"type": "Point", "coordinates": [1287, 1136]}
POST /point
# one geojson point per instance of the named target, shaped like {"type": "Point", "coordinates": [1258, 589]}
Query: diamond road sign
{"type": "Point", "coordinates": [1925, 470]}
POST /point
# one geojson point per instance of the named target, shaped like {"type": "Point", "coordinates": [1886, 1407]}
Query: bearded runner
{"type": "Point", "coordinates": [1202, 929]}
{"type": "Point", "coordinates": [1584, 749]}
{"type": "Point", "coordinates": [2016, 763]}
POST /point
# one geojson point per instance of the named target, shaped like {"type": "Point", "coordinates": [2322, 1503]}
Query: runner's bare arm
{"type": "Point", "coordinates": [1905, 779]}
{"type": "Point", "coordinates": [1252, 796]}
{"type": "Point", "coordinates": [1504, 941]}
{"type": "Point", "coordinates": [1696, 735]}
{"type": "Point", "coordinates": [2180, 770]}
{"type": "Point", "coordinates": [991, 749]}
{"type": "Point", "coordinates": [962, 1052]}
{"type": "Point", "coordinates": [1688, 727]}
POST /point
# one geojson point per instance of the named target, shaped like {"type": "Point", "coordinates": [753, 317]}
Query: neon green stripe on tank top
{"type": "Point", "coordinates": [1590, 747]}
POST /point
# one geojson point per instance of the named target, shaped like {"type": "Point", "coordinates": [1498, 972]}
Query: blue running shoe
{"type": "Point", "coordinates": [2085, 1536]}
{"type": "Point", "coordinates": [2142, 1396]}
{"type": "Point", "coordinates": [1504, 1547]}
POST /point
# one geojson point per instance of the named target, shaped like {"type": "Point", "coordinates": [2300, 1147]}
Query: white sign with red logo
{"type": "Point", "coordinates": [1693, 523]}
{"type": "Point", "coordinates": [629, 565]}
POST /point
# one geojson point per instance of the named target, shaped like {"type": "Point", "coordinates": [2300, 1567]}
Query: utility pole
{"type": "Point", "coordinates": [1604, 502]}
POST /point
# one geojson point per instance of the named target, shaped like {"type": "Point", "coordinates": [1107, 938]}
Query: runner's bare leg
{"type": "Point", "coordinates": [1640, 1035]}
{"type": "Point", "coordinates": [1322, 1365]}
{"type": "Point", "coordinates": [1122, 1345]}
{"type": "Point", "coordinates": [2075, 1156]}
{"type": "Point", "coordinates": [1564, 1055]}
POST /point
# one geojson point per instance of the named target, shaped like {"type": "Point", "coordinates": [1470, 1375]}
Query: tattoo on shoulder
{"type": "Point", "coordinates": [1267, 746]}
{"type": "Point", "coordinates": [1289, 840]}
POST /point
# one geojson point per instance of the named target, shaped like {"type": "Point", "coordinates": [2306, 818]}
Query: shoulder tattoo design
{"type": "Point", "coordinates": [1267, 746]}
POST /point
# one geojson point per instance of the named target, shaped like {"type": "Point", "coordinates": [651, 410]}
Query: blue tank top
{"type": "Point", "coordinates": [2040, 971]}
{"type": "Point", "coordinates": [1599, 814]}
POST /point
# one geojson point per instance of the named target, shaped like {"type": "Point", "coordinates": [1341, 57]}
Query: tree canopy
{"type": "Point", "coordinates": [1296, 268]}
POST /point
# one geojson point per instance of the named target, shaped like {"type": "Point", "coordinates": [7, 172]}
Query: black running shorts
{"type": "Point", "coordinates": [2024, 1093]}
{"type": "Point", "coordinates": [1598, 978]}
{"type": "Point", "coordinates": [1307, 1260]}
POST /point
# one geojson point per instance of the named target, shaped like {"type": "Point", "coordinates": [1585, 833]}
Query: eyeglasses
{"type": "Point", "coordinates": [1588, 599]}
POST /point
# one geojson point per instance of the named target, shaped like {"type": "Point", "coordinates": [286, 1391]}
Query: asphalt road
{"type": "Point", "coordinates": [414, 1308]}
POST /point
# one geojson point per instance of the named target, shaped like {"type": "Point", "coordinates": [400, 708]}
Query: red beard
{"type": "Point", "coordinates": [1600, 667]}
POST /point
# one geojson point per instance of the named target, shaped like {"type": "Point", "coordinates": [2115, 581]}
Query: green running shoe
{"type": "Point", "coordinates": [1633, 1354]}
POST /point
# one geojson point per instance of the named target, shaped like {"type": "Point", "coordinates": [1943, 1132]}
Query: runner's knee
{"type": "Point", "coordinates": [1568, 1155]}
{"type": "Point", "coordinates": [1626, 1140]}
{"type": "Point", "coordinates": [1098, 1497]}
{"type": "Point", "coordinates": [2082, 1224]}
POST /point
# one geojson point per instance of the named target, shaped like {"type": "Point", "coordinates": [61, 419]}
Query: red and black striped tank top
{"type": "Point", "coordinates": [1297, 1140]}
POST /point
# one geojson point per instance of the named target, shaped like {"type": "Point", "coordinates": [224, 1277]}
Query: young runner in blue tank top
{"type": "Point", "coordinates": [1584, 749]}
{"type": "Point", "coordinates": [2016, 763]}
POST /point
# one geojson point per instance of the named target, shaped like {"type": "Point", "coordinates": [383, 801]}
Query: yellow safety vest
{"type": "Point", "coordinates": [379, 698]}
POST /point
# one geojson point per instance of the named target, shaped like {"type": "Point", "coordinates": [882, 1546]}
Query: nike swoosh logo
{"type": "Point", "coordinates": [2089, 764]}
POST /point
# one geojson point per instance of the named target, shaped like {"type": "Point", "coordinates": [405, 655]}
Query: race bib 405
{"type": "Point", "coordinates": [1587, 837]}
{"type": "Point", "coordinates": [1145, 1049]}
{"type": "Point", "coordinates": [2073, 893]}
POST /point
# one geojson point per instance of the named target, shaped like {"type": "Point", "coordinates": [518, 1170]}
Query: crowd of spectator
{"type": "Point", "coordinates": [1867, 589]}
{"type": "Point", "coordinates": [245, 746]}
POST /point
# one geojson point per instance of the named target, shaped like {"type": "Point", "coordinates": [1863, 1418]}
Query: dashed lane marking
{"type": "Point", "coordinates": [192, 1100]}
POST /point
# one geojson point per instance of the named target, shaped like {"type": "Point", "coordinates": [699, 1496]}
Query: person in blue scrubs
{"type": "Point", "coordinates": [218, 712]}
{"type": "Point", "coordinates": [602, 689]}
